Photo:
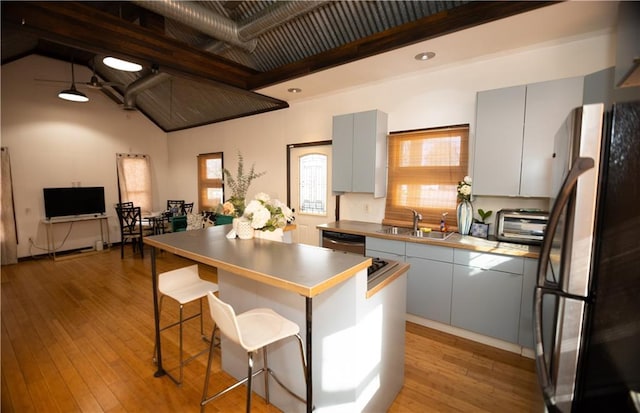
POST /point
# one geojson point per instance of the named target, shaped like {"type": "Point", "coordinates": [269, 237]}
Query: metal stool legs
{"type": "Point", "coordinates": [180, 323]}
{"type": "Point", "coordinates": [250, 375]}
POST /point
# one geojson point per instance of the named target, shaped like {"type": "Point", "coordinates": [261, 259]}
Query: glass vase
{"type": "Point", "coordinates": [465, 217]}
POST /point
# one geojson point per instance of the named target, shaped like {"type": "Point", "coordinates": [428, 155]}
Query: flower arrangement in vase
{"type": "Point", "coordinates": [266, 214]}
{"type": "Point", "coordinates": [464, 210]}
{"type": "Point", "coordinates": [238, 186]}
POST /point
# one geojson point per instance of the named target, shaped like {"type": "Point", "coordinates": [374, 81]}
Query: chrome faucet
{"type": "Point", "coordinates": [417, 217]}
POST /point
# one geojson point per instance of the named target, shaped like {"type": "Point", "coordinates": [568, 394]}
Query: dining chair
{"type": "Point", "coordinates": [131, 228]}
{"type": "Point", "coordinates": [187, 208]}
{"type": "Point", "coordinates": [174, 206]}
{"type": "Point", "coordinates": [253, 330]}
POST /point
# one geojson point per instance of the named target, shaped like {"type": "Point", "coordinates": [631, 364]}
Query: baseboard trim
{"type": "Point", "coordinates": [469, 335]}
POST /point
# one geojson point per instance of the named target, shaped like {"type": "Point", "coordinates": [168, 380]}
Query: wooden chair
{"type": "Point", "coordinates": [131, 229]}
{"type": "Point", "coordinates": [187, 208]}
{"type": "Point", "coordinates": [175, 206]}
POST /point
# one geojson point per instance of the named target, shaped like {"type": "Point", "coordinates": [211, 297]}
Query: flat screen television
{"type": "Point", "coordinates": [63, 202]}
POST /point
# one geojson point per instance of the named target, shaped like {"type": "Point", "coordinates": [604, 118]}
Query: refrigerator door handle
{"type": "Point", "coordinates": [581, 165]}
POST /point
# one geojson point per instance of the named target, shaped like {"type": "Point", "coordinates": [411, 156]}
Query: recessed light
{"type": "Point", "coordinates": [294, 90]}
{"type": "Point", "coordinates": [120, 64]}
{"type": "Point", "coordinates": [425, 56]}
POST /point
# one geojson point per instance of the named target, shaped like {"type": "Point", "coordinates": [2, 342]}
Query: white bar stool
{"type": "Point", "coordinates": [252, 330]}
{"type": "Point", "coordinates": [184, 285]}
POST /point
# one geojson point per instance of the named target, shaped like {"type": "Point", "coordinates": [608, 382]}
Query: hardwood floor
{"type": "Point", "coordinates": [77, 336]}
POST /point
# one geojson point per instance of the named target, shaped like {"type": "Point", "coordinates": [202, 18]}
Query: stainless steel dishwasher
{"type": "Point", "coordinates": [344, 242]}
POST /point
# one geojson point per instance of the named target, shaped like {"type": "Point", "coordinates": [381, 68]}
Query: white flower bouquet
{"type": "Point", "coordinates": [464, 189]}
{"type": "Point", "coordinates": [266, 214]}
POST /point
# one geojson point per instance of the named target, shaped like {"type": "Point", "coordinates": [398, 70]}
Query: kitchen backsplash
{"type": "Point", "coordinates": [363, 207]}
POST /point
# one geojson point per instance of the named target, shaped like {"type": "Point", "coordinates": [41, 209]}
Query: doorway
{"type": "Point", "coordinates": [309, 192]}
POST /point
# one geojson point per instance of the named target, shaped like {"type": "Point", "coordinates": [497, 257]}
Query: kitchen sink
{"type": "Point", "coordinates": [408, 232]}
{"type": "Point", "coordinates": [431, 234]}
{"type": "Point", "coordinates": [395, 231]}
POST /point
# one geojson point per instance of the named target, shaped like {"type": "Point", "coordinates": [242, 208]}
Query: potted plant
{"type": "Point", "coordinates": [480, 228]}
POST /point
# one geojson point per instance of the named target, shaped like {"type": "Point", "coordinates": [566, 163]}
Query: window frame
{"type": "Point", "coordinates": [396, 210]}
{"type": "Point", "coordinates": [205, 183]}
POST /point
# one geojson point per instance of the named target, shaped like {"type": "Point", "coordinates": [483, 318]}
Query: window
{"type": "Point", "coordinates": [134, 180]}
{"type": "Point", "coordinates": [425, 167]}
{"type": "Point", "coordinates": [210, 190]}
{"type": "Point", "coordinates": [313, 184]}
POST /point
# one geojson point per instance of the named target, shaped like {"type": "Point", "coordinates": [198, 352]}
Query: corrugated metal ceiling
{"type": "Point", "coordinates": [323, 34]}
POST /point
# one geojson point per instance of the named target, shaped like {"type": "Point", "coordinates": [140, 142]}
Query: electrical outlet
{"type": "Point", "coordinates": [366, 208]}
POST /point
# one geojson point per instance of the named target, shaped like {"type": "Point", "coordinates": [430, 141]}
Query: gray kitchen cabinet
{"type": "Point", "coordinates": [515, 131]}
{"type": "Point", "coordinates": [359, 150]}
{"type": "Point", "coordinates": [429, 281]}
{"type": "Point", "coordinates": [627, 72]}
{"type": "Point", "coordinates": [386, 249]}
{"type": "Point", "coordinates": [486, 294]}
{"type": "Point", "coordinates": [525, 334]}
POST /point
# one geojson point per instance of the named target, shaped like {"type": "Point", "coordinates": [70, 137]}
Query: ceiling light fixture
{"type": "Point", "coordinates": [120, 64]}
{"type": "Point", "coordinates": [425, 56]}
{"type": "Point", "coordinates": [72, 94]}
{"type": "Point", "coordinates": [294, 90]}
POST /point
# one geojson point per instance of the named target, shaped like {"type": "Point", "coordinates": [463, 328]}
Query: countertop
{"type": "Point", "coordinates": [456, 240]}
{"type": "Point", "coordinates": [300, 268]}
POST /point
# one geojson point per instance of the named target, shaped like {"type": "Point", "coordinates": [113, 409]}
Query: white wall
{"type": "Point", "coordinates": [54, 143]}
{"type": "Point", "coordinates": [431, 98]}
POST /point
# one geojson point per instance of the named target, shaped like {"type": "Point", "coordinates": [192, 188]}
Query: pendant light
{"type": "Point", "coordinates": [72, 94]}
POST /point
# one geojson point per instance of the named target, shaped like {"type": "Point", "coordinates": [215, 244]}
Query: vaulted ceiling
{"type": "Point", "coordinates": [203, 61]}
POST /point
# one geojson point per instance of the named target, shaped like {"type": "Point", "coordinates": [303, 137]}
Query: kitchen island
{"type": "Point", "coordinates": [354, 342]}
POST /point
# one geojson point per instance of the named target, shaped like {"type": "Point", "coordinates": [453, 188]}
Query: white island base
{"type": "Point", "coordinates": [358, 343]}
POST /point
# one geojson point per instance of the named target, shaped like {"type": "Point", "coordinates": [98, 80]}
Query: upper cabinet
{"type": "Point", "coordinates": [515, 131]}
{"type": "Point", "coordinates": [628, 48]}
{"type": "Point", "coordinates": [360, 153]}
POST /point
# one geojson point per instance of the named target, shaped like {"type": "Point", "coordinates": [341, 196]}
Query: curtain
{"type": "Point", "coordinates": [134, 180]}
{"type": "Point", "coordinates": [8, 231]}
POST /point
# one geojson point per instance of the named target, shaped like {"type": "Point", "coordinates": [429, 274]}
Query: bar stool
{"type": "Point", "coordinates": [252, 330]}
{"type": "Point", "coordinates": [184, 285]}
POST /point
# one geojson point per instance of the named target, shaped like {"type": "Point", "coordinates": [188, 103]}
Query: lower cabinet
{"type": "Point", "coordinates": [489, 294]}
{"type": "Point", "coordinates": [385, 249]}
{"type": "Point", "coordinates": [429, 281]}
{"type": "Point", "coordinates": [486, 295]}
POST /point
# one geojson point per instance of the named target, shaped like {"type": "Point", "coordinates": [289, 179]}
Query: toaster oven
{"type": "Point", "coordinates": [521, 225]}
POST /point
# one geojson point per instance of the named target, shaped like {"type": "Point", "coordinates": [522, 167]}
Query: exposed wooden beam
{"type": "Point", "coordinates": [463, 17]}
{"type": "Point", "coordinates": [83, 27]}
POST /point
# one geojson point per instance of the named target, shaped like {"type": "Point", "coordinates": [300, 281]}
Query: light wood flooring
{"type": "Point", "coordinates": [77, 336]}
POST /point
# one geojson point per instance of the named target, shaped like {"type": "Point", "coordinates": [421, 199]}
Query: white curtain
{"type": "Point", "coordinates": [8, 233]}
{"type": "Point", "coordinates": [134, 180]}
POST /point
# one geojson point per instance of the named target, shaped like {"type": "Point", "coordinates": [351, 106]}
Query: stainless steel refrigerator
{"type": "Point", "coordinates": [587, 298]}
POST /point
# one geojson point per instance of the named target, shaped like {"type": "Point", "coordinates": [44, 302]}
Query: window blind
{"type": "Point", "coordinates": [425, 167]}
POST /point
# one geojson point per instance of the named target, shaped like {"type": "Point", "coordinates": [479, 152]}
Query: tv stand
{"type": "Point", "coordinates": [50, 222]}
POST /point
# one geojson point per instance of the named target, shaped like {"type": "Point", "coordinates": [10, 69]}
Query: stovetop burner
{"type": "Point", "coordinates": [376, 264]}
